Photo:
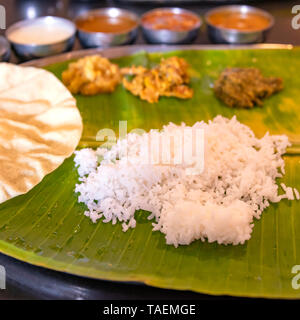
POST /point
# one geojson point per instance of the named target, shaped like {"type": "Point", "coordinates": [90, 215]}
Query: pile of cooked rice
{"type": "Point", "coordinates": [217, 204]}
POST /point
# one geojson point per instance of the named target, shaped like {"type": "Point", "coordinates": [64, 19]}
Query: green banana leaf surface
{"type": "Point", "coordinates": [47, 227]}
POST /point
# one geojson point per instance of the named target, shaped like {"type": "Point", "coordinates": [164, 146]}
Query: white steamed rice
{"type": "Point", "coordinates": [219, 204]}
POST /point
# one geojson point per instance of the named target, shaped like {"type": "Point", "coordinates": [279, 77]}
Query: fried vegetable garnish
{"type": "Point", "coordinates": [91, 75]}
{"type": "Point", "coordinates": [169, 78]}
{"type": "Point", "coordinates": [245, 87]}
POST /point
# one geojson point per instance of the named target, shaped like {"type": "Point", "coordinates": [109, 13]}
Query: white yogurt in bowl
{"type": "Point", "coordinates": [41, 37]}
{"type": "Point", "coordinates": [41, 33]}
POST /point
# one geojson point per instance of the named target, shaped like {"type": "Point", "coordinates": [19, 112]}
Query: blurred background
{"type": "Point", "coordinates": [282, 32]}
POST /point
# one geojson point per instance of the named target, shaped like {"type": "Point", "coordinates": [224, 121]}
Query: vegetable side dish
{"type": "Point", "coordinates": [91, 75]}
{"type": "Point", "coordinates": [169, 79]}
{"type": "Point", "coordinates": [95, 74]}
{"type": "Point", "coordinates": [245, 87]}
{"type": "Point", "coordinates": [236, 87]}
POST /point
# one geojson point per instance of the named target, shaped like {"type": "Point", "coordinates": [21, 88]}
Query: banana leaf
{"type": "Point", "coordinates": [47, 227]}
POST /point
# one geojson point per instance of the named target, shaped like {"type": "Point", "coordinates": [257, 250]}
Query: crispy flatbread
{"type": "Point", "coordinates": [40, 126]}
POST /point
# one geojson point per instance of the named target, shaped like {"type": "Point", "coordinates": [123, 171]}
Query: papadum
{"type": "Point", "coordinates": [40, 126]}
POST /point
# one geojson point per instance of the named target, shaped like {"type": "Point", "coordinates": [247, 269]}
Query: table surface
{"type": "Point", "coordinates": [25, 281]}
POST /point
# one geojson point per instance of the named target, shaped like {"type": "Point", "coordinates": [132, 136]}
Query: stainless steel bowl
{"type": "Point", "coordinates": [165, 36]}
{"type": "Point", "coordinates": [32, 50]}
{"type": "Point", "coordinates": [107, 39]}
{"type": "Point", "coordinates": [4, 49]}
{"type": "Point", "coordinates": [233, 36]}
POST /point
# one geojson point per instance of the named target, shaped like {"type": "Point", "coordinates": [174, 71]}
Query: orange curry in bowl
{"type": "Point", "coordinates": [106, 24]}
{"type": "Point", "coordinates": [248, 21]}
{"type": "Point", "coordinates": [170, 20]}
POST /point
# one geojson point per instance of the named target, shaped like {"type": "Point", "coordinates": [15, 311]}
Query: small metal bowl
{"type": "Point", "coordinates": [166, 36]}
{"type": "Point", "coordinates": [33, 50]}
{"type": "Point", "coordinates": [4, 49]}
{"type": "Point", "coordinates": [107, 39]}
{"type": "Point", "coordinates": [219, 34]}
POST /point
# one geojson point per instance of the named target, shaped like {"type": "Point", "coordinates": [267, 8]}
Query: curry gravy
{"type": "Point", "coordinates": [106, 24]}
{"type": "Point", "coordinates": [239, 21]}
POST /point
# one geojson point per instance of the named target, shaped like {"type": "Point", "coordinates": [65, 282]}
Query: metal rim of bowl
{"type": "Point", "coordinates": [103, 11]}
{"type": "Point", "coordinates": [30, 21]}
{"type": "Point", "coordinates": [172, 9]}
{"type": "Point", "coordinates": [237, 8]}
{"type": "Point", "coordinates": [6, 48]}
